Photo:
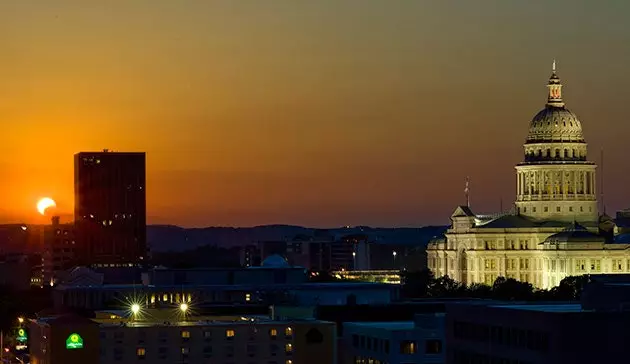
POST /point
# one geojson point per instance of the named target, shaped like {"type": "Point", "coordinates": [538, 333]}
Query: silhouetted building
{"type": "Point", "coordinates": [58, 253]}
{"type": "Point", "coordinates": [110, 207]}
{"type": "Point", "coordinates": [17, 270]}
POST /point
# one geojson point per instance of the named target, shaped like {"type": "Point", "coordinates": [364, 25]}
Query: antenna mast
{"type": "Point", "coordinates": [601, 178]}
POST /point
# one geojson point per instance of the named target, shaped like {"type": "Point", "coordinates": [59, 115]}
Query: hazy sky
{"type": "Point", "coordinates": [320, 113]}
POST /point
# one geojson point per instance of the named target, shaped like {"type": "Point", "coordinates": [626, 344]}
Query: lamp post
{"type": "Point", "coordinates": [184, 309]}
{"type": "Point", "coordinates": [135, 309]}
{"type": "Point", "coordinates": [394, 255]}
{"type": "Point", "coordinates": [354, 260]}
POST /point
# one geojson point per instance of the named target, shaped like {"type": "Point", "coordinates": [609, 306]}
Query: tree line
{"type": "Point", "coordinates": [423, 284]}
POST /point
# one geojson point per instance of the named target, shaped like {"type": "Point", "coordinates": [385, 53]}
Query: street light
{"type": "Point", "coordinates": [21, 320]}
{"type": "Point", "coordinates": [135, 308]}
{"type": "Point", "coordinates": [394, 255]}
{"type": "Point", "coordinates": [183, 307]}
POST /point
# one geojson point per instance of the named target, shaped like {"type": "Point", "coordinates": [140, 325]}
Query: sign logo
{"type": "Point", "coordinates": [22, 335]}
{"type": "Point", "coordinates": [74, 341]}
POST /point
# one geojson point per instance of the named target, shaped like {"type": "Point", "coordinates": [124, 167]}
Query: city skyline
{"type": "Point", "coordinates": [317, 114]}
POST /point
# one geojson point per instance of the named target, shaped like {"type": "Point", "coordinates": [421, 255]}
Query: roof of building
{"type": "Point", "coordinates": [385, 325]}
{"type": "Point", "coordinates": [622, 238]}
{"type": "Point", "coordinates": [238, 287]}
{"type": "Point", "coordinates": [511, 221]}
{"type": "Point", "coordinates": [463, 211]}
{"type": "Point", "coordinates": [567, 307]}
{"type": "Point", "coordinates": [575, 233]}
{"type": "Point", "coordinates": [275, 261]}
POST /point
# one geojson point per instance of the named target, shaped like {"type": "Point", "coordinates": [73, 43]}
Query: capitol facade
{"type": "Point", "coordinates": [554, 229]}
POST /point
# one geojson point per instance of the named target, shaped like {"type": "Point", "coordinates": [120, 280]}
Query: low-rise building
{"type": "Point", "coordinates": [417, 341]}
{"type": "Point", "coordinates": [167, 336]}
{"type": "Point", "coordinates": [591, 331]}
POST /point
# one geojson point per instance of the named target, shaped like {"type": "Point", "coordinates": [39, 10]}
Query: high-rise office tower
{"type": "Point", "coordinates": [110, 207]}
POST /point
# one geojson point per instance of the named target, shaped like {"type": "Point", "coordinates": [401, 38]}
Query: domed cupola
{"type": "Point", "coordinates": [554, 124]}
{"type": "Point", "coordinates": [556, 181]}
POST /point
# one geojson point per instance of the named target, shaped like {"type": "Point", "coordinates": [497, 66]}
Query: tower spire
{"type": "Point", "coordinates": [554, 98]}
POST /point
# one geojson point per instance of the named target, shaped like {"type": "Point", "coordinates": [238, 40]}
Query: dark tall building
{"type": "Point", "coordinates": [110, 208]}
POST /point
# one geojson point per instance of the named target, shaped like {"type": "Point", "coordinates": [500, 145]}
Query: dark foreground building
{"type": "Point", "coordinates": [110, 208]}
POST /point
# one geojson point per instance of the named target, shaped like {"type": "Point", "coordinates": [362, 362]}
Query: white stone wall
{"type": "Point", "coordinates": [482, 257]}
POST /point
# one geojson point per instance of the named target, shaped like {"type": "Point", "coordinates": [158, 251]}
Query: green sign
{"type": "Point", "coordinates": [74, 341]}
{"type": "Point", "coordinates": [22, 335]}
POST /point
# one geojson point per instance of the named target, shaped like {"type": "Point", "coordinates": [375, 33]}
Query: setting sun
{"type": "Point", "coordinates": [44, 203]}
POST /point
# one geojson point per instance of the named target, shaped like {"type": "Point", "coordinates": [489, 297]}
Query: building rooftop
{"type": "Point", "coordinates": [386, 325]}
{"type": "Point", "coordinates": [566, 307]}
{"type": "Point", "coordinates": [236, 287]}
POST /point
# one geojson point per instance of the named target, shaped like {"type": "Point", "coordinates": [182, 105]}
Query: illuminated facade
{"type": "Point", "coordinates": [551, 232]}
{"type": "Point", "coordinates": [110, 207]}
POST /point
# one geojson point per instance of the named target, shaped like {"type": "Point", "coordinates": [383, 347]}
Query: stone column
{"type": "Point", "coordinates": [584, 183]}
{"type": "Point", "coordinates": [574, 175]}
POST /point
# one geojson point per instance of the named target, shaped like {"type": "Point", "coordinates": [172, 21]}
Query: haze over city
{"type": "Point", "coordinates": [314, 113]}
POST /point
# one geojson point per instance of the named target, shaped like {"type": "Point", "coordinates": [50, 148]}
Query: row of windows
{"type": "Point", "coordinates": [432, 346]}
{"type": "Point", "coordinates": [558, 209]}
{"type": "Point", "coordinates": [184, 351]}
{"type": "Point", "coordinates": [186, 334]}
{"type": "Point", "coordinates": [499, 335]}
{"type": "Point", "coordinates": [370, 343]}
{"type": "Point", "coordinates": [557, 152]}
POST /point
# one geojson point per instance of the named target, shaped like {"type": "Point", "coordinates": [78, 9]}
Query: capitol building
{"type": "Point", "coordinates": [554, 229]}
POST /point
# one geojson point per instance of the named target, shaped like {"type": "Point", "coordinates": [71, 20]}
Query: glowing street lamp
{"type": "Point", "coordinates": [21, 320]}
{"type": "Point", "coordinates": [135, 308]}
{"type": "Point", "coordinates": [183, 307]}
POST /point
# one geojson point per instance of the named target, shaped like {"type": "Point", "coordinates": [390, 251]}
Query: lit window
{"type": "Point", "coordinates": [248, 297]}
{"type": "Point", "coordinates": [288, 331]}
{"type": "Point", "coordinates": [229, 333]}
{"type": "Point", "coordinates": [186, 334]}
{"type": "Point", "coordinates": [141, 352]}
{"type": "Point", "coordinates": [273, 333]}
{"type": "Point", "coordinates": [288, 348]}
{"type": "Point", "coordinates": [289, 361]}
{"type": "Point", "coordinates": [185, 350]}
{"type": "Point", "coordinates": [408, 347]}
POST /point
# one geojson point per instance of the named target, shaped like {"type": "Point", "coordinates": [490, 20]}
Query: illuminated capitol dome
{"type": "Point", "coordinates": [555, 181]}
{"type": "Point", "coordinates": [553, 231]}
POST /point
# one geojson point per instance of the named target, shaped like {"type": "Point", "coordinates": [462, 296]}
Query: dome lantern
{"type": "Point", "coordinates": [554, 99]}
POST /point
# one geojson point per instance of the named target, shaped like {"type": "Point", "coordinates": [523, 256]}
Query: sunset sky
{"type": "Point", "coordinates": [319, 113]}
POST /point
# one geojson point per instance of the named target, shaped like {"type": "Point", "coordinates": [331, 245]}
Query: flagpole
{"type": "Point", "coordinates": [467, 192]}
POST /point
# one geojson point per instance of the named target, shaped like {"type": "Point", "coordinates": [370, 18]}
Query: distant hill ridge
{"type": "Point", "coordinates": [175, 238]}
